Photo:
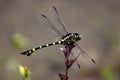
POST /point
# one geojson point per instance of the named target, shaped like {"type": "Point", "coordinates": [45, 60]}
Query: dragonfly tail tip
{"type": "Point", "coordinates": [25, 53]}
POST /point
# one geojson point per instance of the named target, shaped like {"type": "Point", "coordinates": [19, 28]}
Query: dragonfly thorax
{"type": "Point", "coordinates": [71, 38]}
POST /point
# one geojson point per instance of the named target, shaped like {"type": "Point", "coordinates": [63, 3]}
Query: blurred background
{"type": "Point", "coordinates": [97, 20]}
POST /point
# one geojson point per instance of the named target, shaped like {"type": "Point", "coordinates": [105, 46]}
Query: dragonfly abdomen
{"type": "Point", "coordinates": [29, 52]}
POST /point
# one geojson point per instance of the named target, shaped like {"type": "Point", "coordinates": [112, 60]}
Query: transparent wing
{"type": "Point", "coordinates": [53, 32]}
{"type": "Point", "coordinates": [85, 54]}
{"type": "Point", "coordinates": [83, 58]}
{"type": "Point", "coordinates": [54, 25]}
{"type": "Point", "coordinates": [57, 21]}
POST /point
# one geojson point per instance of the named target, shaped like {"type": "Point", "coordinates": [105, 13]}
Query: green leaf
{"type": "Point", "coordinates": [107, 73]}
{"type": "Point", "coordinates": [19, 41]}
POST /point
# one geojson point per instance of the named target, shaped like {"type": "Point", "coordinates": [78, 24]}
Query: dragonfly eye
{"type": "Point", "coordinates": [78, 36]}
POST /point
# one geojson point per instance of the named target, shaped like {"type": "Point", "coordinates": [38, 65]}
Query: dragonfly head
{"type": "Point", "coordinates": [77, 36]}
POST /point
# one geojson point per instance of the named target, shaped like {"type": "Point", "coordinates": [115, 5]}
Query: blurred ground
{"type": "Point", "coordinates": [97, 20]}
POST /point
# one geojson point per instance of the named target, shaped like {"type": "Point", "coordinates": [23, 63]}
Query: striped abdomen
{"type": "Point", "coordinates": [29, 52]}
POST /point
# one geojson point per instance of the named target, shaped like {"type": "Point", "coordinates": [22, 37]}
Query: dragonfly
{"type": "Point", "coordinates": [66, 38]}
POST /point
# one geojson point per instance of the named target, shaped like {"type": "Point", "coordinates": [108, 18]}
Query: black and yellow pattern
{"type": "Point", "coordinates": [29, 52]}
{"type": "Point", "coordinates": [66, 41]}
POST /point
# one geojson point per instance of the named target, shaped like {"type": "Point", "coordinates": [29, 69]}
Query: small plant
{"type": "Point", "coordinates": [68, 61]}
{"type": "Point", "coordinates": [24, 72]}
